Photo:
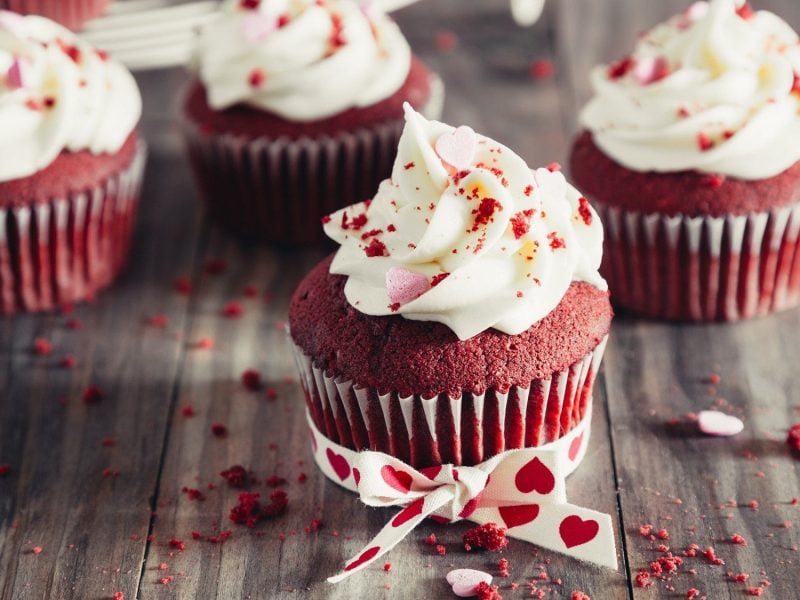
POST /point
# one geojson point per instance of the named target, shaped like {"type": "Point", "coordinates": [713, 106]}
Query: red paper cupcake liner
{"type": "Point", "coordinates": [462, 431]}
{"type": "Point", "coordinates": [67, 249]}
{"type": "Point", "coordinates": [277, 190]}
{"type": "Point", "coordinates": [702, 268]}
{"type": "Point", "coordinates": [70, 13]}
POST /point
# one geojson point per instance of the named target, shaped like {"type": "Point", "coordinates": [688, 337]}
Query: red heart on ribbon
{"type": "Point", "coordinates": [339, 464]}
{"type": "Point", "coordinates": [535, 477]}
{"type": "Point", "coordinates": [367, 555]}
{"type": "Point", "coordinates": [313, 438]}
{"type": "Point", "coordinates": [409, 512]}
{"type": "Point", "coordinates": [356, 476]}
{"type": "Point", "coordinates": [575, 446]}
{"type": "Point", "coordinates": [431, 472]}
{"type": "Point", "coordinates": [470, 507]}
{"type": "Point", "coordinates": [399, 480]}
{"type": "Point", "coordinates": [575, 531]}
{"type": "Point", "coordinates": [514, 516]}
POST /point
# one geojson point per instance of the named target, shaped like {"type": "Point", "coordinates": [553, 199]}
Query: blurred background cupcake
{"type": "Point", "coordinates": [71, 165]}
{"type": "Point", "coordinates": [463, 314]}
{"type": "Point", "coordinates": [70, 13]}
{"type": "Point", "coordinates": [690, 154]}
{"type": "Point", "coordinates": [296, 111]}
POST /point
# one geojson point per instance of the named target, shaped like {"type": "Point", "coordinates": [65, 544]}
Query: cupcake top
{"type": "Point", "coordinates": [464, 233]}
{"type": "Point", "coordinates": [715, 89]}
{"type": "Point", "coordinates": [57, 93]}
{"type": "Point", "coordinates": [303, 60]}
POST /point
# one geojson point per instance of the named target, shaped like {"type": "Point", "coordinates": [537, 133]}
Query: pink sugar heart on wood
{"type": "Point", "coordinates": [457, 148]}
{"type": "Point", "coordinates": [403, 285]}
{"type": "Point", "coordinates": [465, 582]}
{"type": "Point", "coordinates": [714, 422]}
{"type": "Point", "coordinates": [650, 70]}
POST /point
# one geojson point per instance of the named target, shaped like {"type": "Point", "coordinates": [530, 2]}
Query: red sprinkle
{"type": "Point", "coordinates": [256, 78]}
{"type": "Point", "coordinates": [42, 347]}
{"type": "Point", "coordinates": [187, 410]}
{"type": "Point", "coordinates": [193, 494]}
{"type": "Point", "coordinates": [251, 379]}
{"type": "Point", "coordinates": [387, 566]}
{"type": "Point", "coordinates": [177, 544]}
{"type": "Point", "coordinates": [219, 430]}
{"type": "Point", "coordinates": [542, 69]}
{"type": "Point", "coordinates": [502, 565]}
{"type": "Point", "coordinates": [487, 537]}
{"type": "Point", "coordinates": [232, 310]}
{"type": "Point", "coordinates": [580, 596]}
{"type": "Point", "coordinates": [793, 437]}
{"type": "Point", "coordinates": [704, 142]}
{"type": "Point", "coordinates": [738, 539]}
{"type": "Point", "coordinates": [92, 395]}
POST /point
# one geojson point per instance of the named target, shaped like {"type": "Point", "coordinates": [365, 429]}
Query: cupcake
{"type": "Point", "coordinates": [296, 111]}
{"type": "Point", "coordinates": [70, 13]}
{"type": "Point", "coordinates": [690, 155]}
{"type": "Point", "coordinates": [70, 165]}
{"type": "Point", "coordinates": [463, 314]}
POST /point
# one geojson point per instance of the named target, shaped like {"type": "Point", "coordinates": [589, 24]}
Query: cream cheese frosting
{"type": "Point", "coordinates": [715, 89]}
{"type": "Point", "coordinates": [57, 93]}
{"type": "Point", "coordinates": [464, 233]}
{"type": "Point", "coordinates": [303, 60]}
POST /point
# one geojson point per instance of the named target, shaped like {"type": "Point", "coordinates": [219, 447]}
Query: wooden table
{"type": "Point", "coordinates": [94, 497]}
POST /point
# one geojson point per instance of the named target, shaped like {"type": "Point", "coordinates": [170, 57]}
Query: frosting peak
{"type": "Point", "coordinates": [714, 89]}
{"type": "Point", "coordinates": [301, 59]}
{"type": "Point", "coordinates": [58, 93]}
{"type": "Point", "coordinates": [464, 233]}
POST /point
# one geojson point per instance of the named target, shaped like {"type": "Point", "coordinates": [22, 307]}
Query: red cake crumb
{"type": "Point", "coordinates": [68, 361]}
{"type": "Point", "coordinates": [745, 11]}
{"type": "Point", "coordinates": [37, 550]}
{"type": "Point", "coordinates": [712, 556]}
{"type": "Point", "coordinates": [542, 69]}
{"type": "Point", "coordinates": [485, 212]}
{"type": "Point", "coordinates": [793, 437]}
{"type": "Point", "coordinates": [5, 469]}
{"type": "Point", "coordinates": [193, 494]}
{"type": "Point", "coordinates": [187, 410]}
{"type": "Point", "coordinates": [619, 69]}
{"type": "Point", "coordinates": [741, 577]}
{"type": "Point", "coordinates": [177, 544]}
{"type": "Point", "coordinates": [692, 593]}
{"type": "Point", "coordinates": [219, 430]}
{"type": "Point", "coordinates": [580, 596]}
{"type": "Point", "coordinates": [484, 591]}
{"type": "Point", "coordinates": [249, 511]}
{"type": "Point", "coordinates": [663, 534]}
{"type": "Point", "coordinates": [166, 580]}
{"type": "Point", "coordinates": [301, 478]}
{"type": "Point", "coordinates": [502, 565]}
{"type": "Point", "coordinates": [441, 550]}
{"type": "Point", "coordinates": [215, 266]}
{"type": "Point", "coordinates": [585, 211]}
{"type": "Point", "coordinates": [107, 441]}
{"type": "Point", "coordinates": [251, 379]}
{"type": "Point", "coordinates": [256, 78]}
{"type": "Point", "coordinates": [92, 395]}
{"type": "Point", "coordinates": [387, 566]}
{"type": "Point", "coordinates": [376, 248]}
{"type": "Point", "coordinates": [691, 550]}
{"type": "Point", "coordinates": [271, 394]}
{"type": "Point", "coordinates": [754, 591]}
{"type": "Point", "coordinates": [232, 310]}
{"type": "Point", "coordinates": [205, 343]}
{"type": "Point", "coordinates": [554, 167]}
{"type": "Point", "coordinates": [446, 40]}
{"type": "Point", "coordinates": [643, 579]}
{"type": "Point", "coordinates": [182, 286]}
{"type": "Point", "coordinates": [646, 530]}
{"type": "Point", "coordinates": [738, 539]}
{"type": "Point", "coordinates": [753, 504]}
{"type": "Point", "coordinates": [236, 476]}
{"type": "Point", "coordinates": [73, 324]}
{"type": "Point", "coordinates": [274, 481]}
{"type": "Point", "coordinates": [486, 537]}
{"type": "Point", "coordinates": [158, 321]}
{"type": "Point", "coordinates": [431, 539]}
{"type": "Point", "coordinates": [119, 596]}
{"type": "Point", "coordinates": [521, 223]}
{"type": "Point", "coordinates": [42, 346]}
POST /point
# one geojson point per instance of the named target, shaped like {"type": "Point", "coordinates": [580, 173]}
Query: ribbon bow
{"type": "Point", "coordinates": [523, 490]}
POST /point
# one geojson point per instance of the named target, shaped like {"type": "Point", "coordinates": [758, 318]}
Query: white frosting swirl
{"type": "Point", "coordinates": [491, 244]}
{"type": "Point", "coordinates": [714, 89]}
{"type": "Point", "coordinates": [56, 94]}
{"type": "Point", "coordinates": [303, 60]}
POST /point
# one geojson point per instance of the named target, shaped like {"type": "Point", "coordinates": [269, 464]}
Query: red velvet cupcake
{"type": "Point", "coordinates": [71, 165]}
{"type": "Point", "coordinates": [70, 13]}
{"type": "Point", "coordinates": [463, 314]}
{"type": "Point", "coordinates": [278, 137]}
{"type": "Point", "coordinates": [690, 156]}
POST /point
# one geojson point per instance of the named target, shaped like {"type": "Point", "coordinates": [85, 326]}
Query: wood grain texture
{"type": "Point", "coordinates": [640, 468]}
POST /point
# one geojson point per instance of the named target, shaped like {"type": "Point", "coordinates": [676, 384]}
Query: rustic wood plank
{"type": "Point", "coordinates": [56, 497]}
{"type": "Point", "coordinates": [490, 88]}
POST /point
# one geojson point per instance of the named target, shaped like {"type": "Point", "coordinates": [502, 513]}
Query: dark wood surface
{"type": "Point", "coordinates": [646, 463]}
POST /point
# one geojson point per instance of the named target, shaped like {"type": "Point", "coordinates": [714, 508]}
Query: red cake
{"type": "Point", "coordinates": [70, 13]}
{"type": "Point", "coordinates": [68, 196]}
{"type": "Point", "coordinates": [698, 184]}
{"type": "Point", "coordinates": [440, 341]}
{"type": "Point", "coordinates": [276, 145]}
{"type": "Point", "coordinates": [416, 358]}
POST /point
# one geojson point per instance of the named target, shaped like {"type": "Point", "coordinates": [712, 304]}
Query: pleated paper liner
{"type": "Point", "coordinates": [702, 268]}
{"type": "Point", "coordinates": [278, 190]}
{"type": "Point", "coordinates": [461, 431]}
{"type": "Point", "coordinates": [67, 249]}
{"type": "Point", "coordinates": [70, 13]}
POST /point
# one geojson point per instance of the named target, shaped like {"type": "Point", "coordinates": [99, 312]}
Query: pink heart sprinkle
{"type": "Point", "coordinates": [256, 26]}
{"type": "Point", "coordinates": [649, 70]}
{"type": "Point", "coordinates": [457, 148]}
{"type": "Point", "coordinates": [714, 422]}
{"type": "Point", "coordinates": [16, 77]}
{"type": "Point", "coordinates": [465, 582]}
{"type": "Point", "coordinates": [403, 285]}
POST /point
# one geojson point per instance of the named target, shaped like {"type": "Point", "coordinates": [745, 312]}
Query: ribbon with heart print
{"type": "Point", "coordinates": [523, 490]}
